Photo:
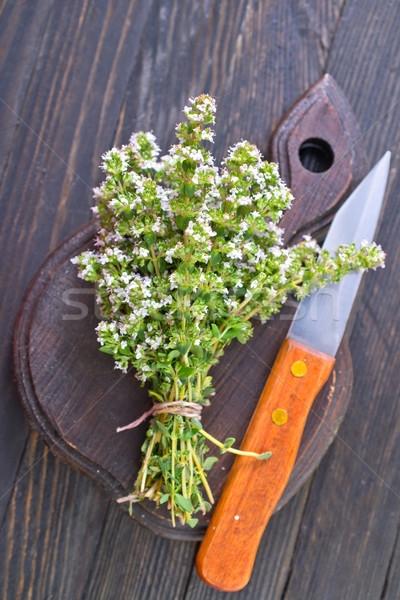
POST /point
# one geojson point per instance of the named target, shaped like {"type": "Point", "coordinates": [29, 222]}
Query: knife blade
{"type": "Point", "coordinates": [303, 365]}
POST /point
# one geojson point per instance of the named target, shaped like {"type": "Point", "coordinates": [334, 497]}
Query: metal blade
{"type": "Point", "coordinates": [321, 318]}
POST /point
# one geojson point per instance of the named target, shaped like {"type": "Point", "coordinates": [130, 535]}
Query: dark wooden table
{"type": "Point", "coordinates": [77, 77]}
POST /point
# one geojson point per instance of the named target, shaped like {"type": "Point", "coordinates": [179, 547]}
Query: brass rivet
{"type": "Point", "coordinates": [279, 416]}
{"type": "Point", "coordinates": [299, 368]}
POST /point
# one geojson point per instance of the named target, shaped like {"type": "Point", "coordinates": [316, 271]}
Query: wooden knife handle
{"type": "Point", "coordinates": [226, 556]}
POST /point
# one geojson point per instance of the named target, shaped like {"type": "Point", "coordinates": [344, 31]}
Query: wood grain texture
{"type": "Point", "coordinates": [21, 30]}
{"type": "Point", "coordinates": [253, 488]}
{"type": "Point", "coordinates": [51, 509]}
{"type": "Point", "coordinates": [138, 563]}
{"type": "Point", "coordinates": [257, 59]}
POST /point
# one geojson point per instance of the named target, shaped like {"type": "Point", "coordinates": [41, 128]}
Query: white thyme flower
{"type": "Point", "coordinates": [170, 254]}
{"type": "Point", "coordinates": [207, 135]}
{"type": "Point", "coordinates": [275, 251]}
{"type": "Point", "coordinates": [235, 253]}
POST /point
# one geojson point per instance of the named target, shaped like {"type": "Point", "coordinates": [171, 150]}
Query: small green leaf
{"type": "Point", "coordinates": [243, 210]}
{"type": "Point", "coordinates": [197, 351]}
{"type": "Point", "coordinates": [173, 354]}
{"type": "Point", "coordinates": [190, 190]}
{"type": "Point", "coordinates": [207, 391]}
{"type": "Point", "coordinates": [231, 333]}
{"type": "Point", "coordinates": [150, 266]}
{"type": "Point", "coordinates": [188, 433]}
{"type": "Point", "coordinates": [150, 238]}
{"type": "Point", "coordinates": [187, 165]}
{"type": "Point", "coordinates": [107, 349]}
{"type": "Point", "coordinates": [182, 267]}
{"type": "Point", "coordinates": [163, 429]}
{"type": "Point", "coordinates": [215, 258]}
{"type": "Point", "coordinates": [264, 456]}
{"type": "Point", "coordinates": [207, 381]}
{"type": "Point", "coordinates": [183, 348]}
{"type": "Point", "coordinates": [162, 265]}
{"type": "Point", "coordinates": [182, 221]}
{"type": "Point", "coordinates": [195, 395]}
{"type": "Point", "coordinates": [209, 462]}
{"type": "Point", "coordinates": [183, 503]}
{"type": "Point", "coordinates": [192, 522]}
{"type": "Point", "coordinates": [158, 316]}
{"type": "Point", "coordinates": [186, 372]}
{"type": "Point", "coordinates": [152, 393]}
{"type": "Point", "coordinates": [163, 466]}
{"type": "Point", "coordinates": [164, 498]}
{"type": "Point", "coordinates": [140, 334]}
{"type": "Point", "coordinates": [125, 351]}
{"type": "Point", "coordinates": [229, 442]}
{"type": "Point", "coordinates": [215, 330]}
{"type": "Point", "coordinates": [196, 423]}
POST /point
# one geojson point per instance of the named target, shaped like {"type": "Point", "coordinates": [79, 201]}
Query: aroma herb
{"type": "Point", "coordinates": [186, 255]}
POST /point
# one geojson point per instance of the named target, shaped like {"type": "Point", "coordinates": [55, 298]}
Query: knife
{"type": "Point", "coordinates": [303, 365]}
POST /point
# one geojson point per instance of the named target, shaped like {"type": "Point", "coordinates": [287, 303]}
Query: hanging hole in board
{"type": "Point", "coordinates": [316, 155]}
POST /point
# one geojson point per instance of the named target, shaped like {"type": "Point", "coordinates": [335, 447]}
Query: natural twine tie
{"type": "Point", "coordinates": [178, 407]}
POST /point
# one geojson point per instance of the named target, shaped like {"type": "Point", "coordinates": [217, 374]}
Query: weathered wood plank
{"type": "Point", "coordinates": [391, 585]}
{"type": "Point", "coordinates": [21, 29]}
{"type": "Point", "coordinates": [54, 519]}
{"type": "Point", "coordinates": [132, 562]}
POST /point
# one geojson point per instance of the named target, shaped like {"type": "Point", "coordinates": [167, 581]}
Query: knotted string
{"type": "Point", "coordinates": [178, 407]}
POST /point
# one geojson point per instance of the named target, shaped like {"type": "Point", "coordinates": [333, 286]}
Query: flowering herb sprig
{"type": "Point", "coordinates": [186, 255]}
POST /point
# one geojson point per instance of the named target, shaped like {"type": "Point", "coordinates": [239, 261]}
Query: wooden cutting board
{"type": "Point", "coordinates": [75, 399]}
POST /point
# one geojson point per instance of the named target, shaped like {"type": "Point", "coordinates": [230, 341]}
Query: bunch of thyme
{"type": "Point", "coordinates": [186, 255]}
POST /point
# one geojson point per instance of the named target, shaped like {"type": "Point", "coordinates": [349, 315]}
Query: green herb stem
{"type": "Point", "coordinates": [232, 450]}
{"type": "Point", "coordinates": [154, 259]}
{"type": "Point", "coordinates": [201, 473]}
